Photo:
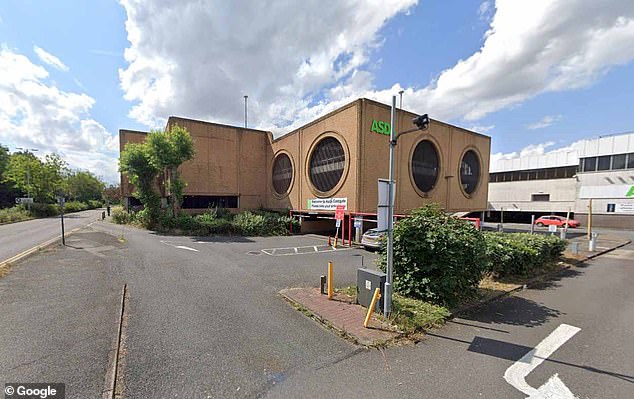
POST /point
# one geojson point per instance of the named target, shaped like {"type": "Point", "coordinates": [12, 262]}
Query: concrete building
{"type": "Point", "coordinates": [336, 159]}
{"type": "Point", "coordinates": [599, 170]}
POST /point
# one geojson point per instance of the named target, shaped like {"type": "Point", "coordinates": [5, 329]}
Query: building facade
{"type": "Point", "coordinates": [597, 172]}
{"type": "Point", "coordinates": [334, 160]}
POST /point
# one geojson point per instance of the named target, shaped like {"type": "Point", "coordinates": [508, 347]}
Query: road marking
{"type": "Point", "coordinates": [184, 247]}
{"type": "Point", "coordinates": [554, 388]}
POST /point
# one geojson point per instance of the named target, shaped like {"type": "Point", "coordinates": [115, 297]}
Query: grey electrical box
{"type": "Point", "coordinates": [367, 281]}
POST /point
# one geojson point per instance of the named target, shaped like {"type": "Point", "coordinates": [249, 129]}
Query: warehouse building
{"type": "Point", "coordinates": [334, 160]}
{"type": "Point", "coordinates": [597, 173]}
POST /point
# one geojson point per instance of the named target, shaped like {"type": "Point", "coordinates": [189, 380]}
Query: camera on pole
{"type": "Point", "coordinates": [421, 122]}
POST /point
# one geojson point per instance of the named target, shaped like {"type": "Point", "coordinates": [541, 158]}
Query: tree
{"type": "Point", "coordinates": [112, 193]}
{"type": "Point", "coordinates": [8, 192]}
{"type": "Point", "coordinates": [136, 163]}
{"type": "Point", "coordinates": [83, 186]}
{"type": "Point", "coordinates": [4, 159]}
{"type": "Point", "coordinates": [168, 150]}
{"type": "Point", "coordinates": [42, 180]}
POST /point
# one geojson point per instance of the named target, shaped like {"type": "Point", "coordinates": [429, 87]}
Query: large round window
{"type": "Point", "coordinates": [282, 173]}
{"type": "Point", "coordinates": [327, 163]}
{"type": "Point", "coordinates": [469, 171]}
{"type": "Point", "coordinates": [425, 166]}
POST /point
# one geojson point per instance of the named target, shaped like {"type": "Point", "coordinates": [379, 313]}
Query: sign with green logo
{"type": "Point", "coordinates": [630, 193]}
{"type": "Point", "coordinates": [380, 127]}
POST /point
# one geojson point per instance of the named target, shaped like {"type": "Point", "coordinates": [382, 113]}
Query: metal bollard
{"type": "Point", "coordinates": [103, 215]}
{"type": "Point", "coordinates": [574, 247]}
{"type": "Point", "coordinates": [322, 285]}
{"type": "Point", "coordinates": [562, 234]}
{"type": "Point", "coordinates": [592, 245]}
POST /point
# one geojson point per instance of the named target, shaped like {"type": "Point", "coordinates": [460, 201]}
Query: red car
{"type": "Point", "coordinates": [558, 221]}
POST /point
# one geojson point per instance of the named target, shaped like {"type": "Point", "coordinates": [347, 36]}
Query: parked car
{"type": "Point", "coordinates": [558, 221]}
{"type": "Point", "coordinates": [371, 239]}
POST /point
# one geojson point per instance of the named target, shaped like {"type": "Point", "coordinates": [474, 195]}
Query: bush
{"type": "Point", "coordinates": [14, 214]}
{"type": "Point", "coordinates": [437, 258]}
{"type": "Point", "coordinates": [250, 224]}
{"type": "Point", "coordinates": [75, 206]}
{"type": "Point", "coordinates": [120, 216]}
{"type": "Point", "coordinates": [93, 204]}
{"type": "Point", "coordinates": [520, 253]}
{"type": "Point", "coordinates": [44, 210]}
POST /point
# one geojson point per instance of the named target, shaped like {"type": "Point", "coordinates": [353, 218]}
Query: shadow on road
{"type": "Point", "coordinates": [210, 239]}
{"type": "Point", "coordinates": [513, 311]}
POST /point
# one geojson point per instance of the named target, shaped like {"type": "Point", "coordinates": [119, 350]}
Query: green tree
{"type": "Point", "coordinates": [136, 163]}
{"type": "Point", "coordinates": [4, 159]}
{"type": "Point", "coordinates": [83, 186]}
{"type": "Point", "coordinates": [168, 150]}
{"type": "Point", "coordinates": [42, 180]}
{"type": "Point", "coordinates": [112, 193]}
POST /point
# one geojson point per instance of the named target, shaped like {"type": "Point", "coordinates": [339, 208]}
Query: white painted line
{"type": "Point", "coordinates": [295, 249]}
{"type": "Point", "coordinates": [187, 248]}
{"type": "Point", "coordinates": [315, 247]}
{"type": "Point", "coordinates": [554, 388]}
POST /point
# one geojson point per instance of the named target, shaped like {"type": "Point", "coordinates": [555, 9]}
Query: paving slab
{"type": "Point", "coordinates": [342, 314]}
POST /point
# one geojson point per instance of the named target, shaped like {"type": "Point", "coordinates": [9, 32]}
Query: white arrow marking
{"type": "Point", "coordinates": [554, 388]}
{"type": "Point", "coordinates": [187, 248]}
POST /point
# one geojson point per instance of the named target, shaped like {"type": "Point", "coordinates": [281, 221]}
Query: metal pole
{"type": "Point", "coordinates": [400, 93]}
{"type": "Point", "coordinates": [387, 303]}
{"type": "Point", "coordinates": [245, 111]}
{"type": "Point", "coordinates": [28, 182]}
{"type": "Point", "coordinates": [567, 218]}
{"type": "Point", "coordinates": [62, 218]}
{"type": "Point", "coordinates": [590, 219]}
{"type": "Point", "coordinates": [532, 224]}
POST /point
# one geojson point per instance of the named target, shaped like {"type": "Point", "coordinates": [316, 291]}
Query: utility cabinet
{"type": "Point", "coordinates": [367, 281]}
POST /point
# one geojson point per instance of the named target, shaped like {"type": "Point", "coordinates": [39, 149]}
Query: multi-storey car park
{"type": "Point", "coordinates": [334, 160]}
{"type": "Point", "coordinates": [596, 173]}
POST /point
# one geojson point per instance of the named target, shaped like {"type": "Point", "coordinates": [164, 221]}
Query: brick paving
{"type": "Point", "coordinates": [342, 314]}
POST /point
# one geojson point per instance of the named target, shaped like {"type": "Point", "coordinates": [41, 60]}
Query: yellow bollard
{"type": "Point", "coordinates": [335, 242]}
{"type": "Point", "coordinates": [375, 297]}
{"type": "Point", "coordinates": [329, 280]}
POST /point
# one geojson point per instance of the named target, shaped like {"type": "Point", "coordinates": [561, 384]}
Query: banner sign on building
{"type": "Point", "coordinates": [326, 204]}
{"type": "Point", "coordinates": [625, 208]}
{"type": "Point", "coordinates": [611, 191]}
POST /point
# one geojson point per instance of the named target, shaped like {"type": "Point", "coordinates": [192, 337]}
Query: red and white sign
{"type": "Point", "coordinates": [339, 212]}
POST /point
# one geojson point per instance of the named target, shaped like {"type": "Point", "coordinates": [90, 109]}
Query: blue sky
{"type": "Point", "coordinates": [508, 69]}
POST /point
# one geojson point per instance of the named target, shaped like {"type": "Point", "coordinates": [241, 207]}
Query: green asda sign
{"type": "Point", "coordinates": [630, 193]}
{"type": "Point", "coordinates": [380, 127]}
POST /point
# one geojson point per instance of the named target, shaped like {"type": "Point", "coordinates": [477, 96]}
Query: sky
{"type": "Point", "coordinates": [535, 75]}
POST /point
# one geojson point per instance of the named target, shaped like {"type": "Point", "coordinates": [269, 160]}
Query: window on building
{"type": "Point", "coordinates": [425, 166]}
{"type": "Point", "coordinates": [282, 174]}
{"type": "Point", "coordinates": [210, 201]}
{"type": "Point", "coordinates": [618, 161]}
{"type": "Point", "coordinates": [603, 163]}
{"type": "Point", "coordinates": [540, 197]}
{"type": "Point", "coordinates": [630, 160]}
{"type": "Point", "coordinates": [327, 163]}
{"type": "Point", "coordinates": [590, 164]}
{"type": "Point", "coordinates": [470, 171]}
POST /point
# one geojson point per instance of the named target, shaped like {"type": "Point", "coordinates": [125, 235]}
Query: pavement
{"type": "Point", "coordinates": [205, 319]}
{"type": "Point", "coordinates": [19, 237]}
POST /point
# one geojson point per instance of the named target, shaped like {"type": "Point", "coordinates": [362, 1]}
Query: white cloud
{"type": "Point", "coordinates": [535, 150]}
{"type": "Point", "coordinates": [544, 122]}
{"type": "Point", "coordinates": [485, 11]}
{"type": "Point", "coordinates": [481, 128]}
{"type": "Point", "coordinates": [297, 61]}
{"type": "Point", "coordinates": [34, 113]}
{"type": "Point", "coordinates": [49, 59]}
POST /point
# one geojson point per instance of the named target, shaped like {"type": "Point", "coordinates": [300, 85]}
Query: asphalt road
{"type": "Point", "coordinates": [18, 237]}
{"type": "Point", "coordinates": [205, 320]}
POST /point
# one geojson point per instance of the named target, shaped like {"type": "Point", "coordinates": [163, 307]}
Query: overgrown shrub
{"type": "Point", "coordinates": [44, 210]}
{"type": "Point", "coordinates": [520, 253]}
{"type": "Point", "coordinates": [74, 206]}
{"type": "Point", "coordinates": [437, 258]}
{"type": "Point", "coordinates": [120, 216]}
{"type": "Point", "coordinates": [250, 224]}
{"type": "Point", "coordinates": [93, 204]}
{"type": "Point", "coordinates": [14, 214]}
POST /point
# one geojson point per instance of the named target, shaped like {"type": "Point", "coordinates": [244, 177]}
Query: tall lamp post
{"type": "Point", "coordinates": [422, 123]}
{"type": "Point", "coordinates": [245, 111]}
{"type": "Point", "coordinates": [28, 171]}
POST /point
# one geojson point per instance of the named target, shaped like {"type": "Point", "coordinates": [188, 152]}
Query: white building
{"type": "Point", "coordinates": [599, 170]}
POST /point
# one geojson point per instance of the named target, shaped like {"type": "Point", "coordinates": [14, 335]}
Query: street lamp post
{"type": "Point", "coordinates": [245, 111]}
{"type": "Point", "coordinates": [422, 123]}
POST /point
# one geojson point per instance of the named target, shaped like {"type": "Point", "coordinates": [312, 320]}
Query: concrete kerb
{"type": "Point", "coordinates": [533, 280]}
{"type": "Point", "coordinates": [7, 263]}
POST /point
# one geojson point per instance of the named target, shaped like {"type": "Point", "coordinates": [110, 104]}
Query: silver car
{"type": "Point", "coordinates": [371, 239]}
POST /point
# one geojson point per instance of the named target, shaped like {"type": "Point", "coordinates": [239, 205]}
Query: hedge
{"type": "Point", "coordinates": [520, 253]}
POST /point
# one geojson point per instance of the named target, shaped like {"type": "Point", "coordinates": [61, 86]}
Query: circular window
{"type": "Point", "coordinates": [469, 171]}
{"type": "Point", "coordinates": [327, 163]}
{"type": "Point", "coordinates": [425, 166]}
{"type": "Point", "coordinates": [282, 174]}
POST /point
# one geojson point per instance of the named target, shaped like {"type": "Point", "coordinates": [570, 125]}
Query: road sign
{"type": "Point", "coordinates": [25, 200]}
{"type": "Point", "coordinates": [339, 212]}
{"type": "Point", "coordinates": [358, 223]}
{"type": "Point", "coordinates": [61, 201]}
{"type": "Point", "coordinates": [338, 223]}
{"type": "Point", "coordinates": [552, 228]}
